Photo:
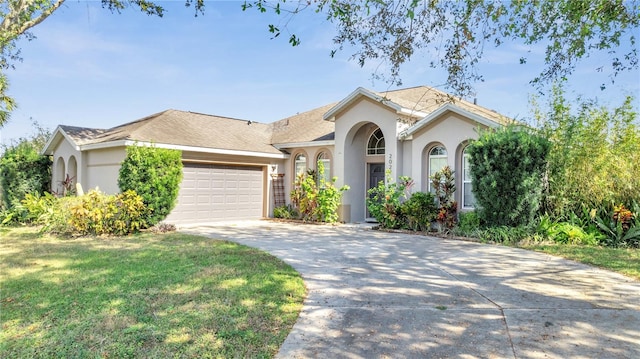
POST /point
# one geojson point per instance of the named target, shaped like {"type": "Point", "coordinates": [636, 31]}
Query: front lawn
{"type": "Point", "coordinates": [621, 260]}
{"type": "Point", "coordinates": [149, 296]}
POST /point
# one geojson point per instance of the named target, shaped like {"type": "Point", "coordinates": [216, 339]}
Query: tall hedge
{"type": "Point", "coordinates": [507, 168]}
{"type": "Point", "coordinates": [23, 170]}
{"type": "Point", "coordinates": [155, 174]}
{"type": "Point", "coordinates": [595, 156]}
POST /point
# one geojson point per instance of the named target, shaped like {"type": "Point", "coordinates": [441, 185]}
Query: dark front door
{"type": "Point", "coordinates": [376, 174]}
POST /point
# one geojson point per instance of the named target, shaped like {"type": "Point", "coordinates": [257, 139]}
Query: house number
{"type": "Point", "coordinates": [390, 161]}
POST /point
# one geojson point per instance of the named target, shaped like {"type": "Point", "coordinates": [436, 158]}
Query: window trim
{"type": "Point", "coordinates": [327, 164]}
{"type": "Point", "coordinates": [465, 182]}
{"type": "Point", "coordinates": [295, 163]}
{"type": "Point", "coordinates": [430, 157]}
{"type": "Point", "coordinates": [376, 149]}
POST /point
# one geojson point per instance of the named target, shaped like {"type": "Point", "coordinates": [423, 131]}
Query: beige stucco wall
{"type": "Point", "coordinates": [102, 169]}
{"type": "Point", "coordinates": [353, 127]}
{"type": "Point", "coordinates": [311, 152]}
{"type": "Point", "coordinates": [64, 156]}
{"type": "Point", "coordinates": [402, 158]}
{"type": "Point", "coordinates": [450, 130]}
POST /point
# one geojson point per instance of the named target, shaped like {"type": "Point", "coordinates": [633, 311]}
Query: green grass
{"type": "Point", "coordinates": [621, 260]}
{"type": "Point", "coordinates": [146, 296]}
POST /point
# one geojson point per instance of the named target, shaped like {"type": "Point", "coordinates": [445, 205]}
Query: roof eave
{"type": "Point", "coordinates": [58, 135]}
{"type": "Point", "coordinates": [408, 133]}
{"type": "Point", "coordinates": [355, 95]}
{"type": "Point", "coordinates": [288, 145]}
{"type": "Point", "coordinates": [124, 143]}
{"type": "Point", "coordinates": [362, 92]}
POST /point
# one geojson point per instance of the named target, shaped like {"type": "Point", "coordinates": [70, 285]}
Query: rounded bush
{"type": "Point", "coordinates": [154, 174]}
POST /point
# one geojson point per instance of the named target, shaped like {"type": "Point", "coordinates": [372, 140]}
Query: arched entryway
{"type": "Point", "coordinates": [364, 165]}
{"type": "Point", "coordinates": [59, 176]}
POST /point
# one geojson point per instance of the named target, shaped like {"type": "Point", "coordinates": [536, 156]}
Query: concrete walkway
{"type": "Point", "coordinates": [387, 295]}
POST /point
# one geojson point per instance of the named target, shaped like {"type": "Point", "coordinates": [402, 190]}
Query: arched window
{"type": "Point", "coordinates": [437, 161]}
{"type": "Point", "coordinates": [300, 163]}
{"type": "Point", "coordinates": [60, 174]}
{"type": "Point", "coordinates": [375, 145]}
{"type": "Point", "coordinates": [468, 199]}
{"type": "Point", "coordinates": [324, 158]}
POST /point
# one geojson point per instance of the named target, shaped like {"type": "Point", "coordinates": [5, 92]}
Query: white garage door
{"type": "Point", "coordinates": [218, 193]}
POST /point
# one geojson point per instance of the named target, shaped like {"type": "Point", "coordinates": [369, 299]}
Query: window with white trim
{"type": "Point", "coordinates": [323, 158]}
{"type": "Point", "coordinates": [375, 145]}
{"type": "Point", "coordinates": [468, 199]}
{"type": "Point", "coordinates": [300, 164]}
{"type": "Point", "coordinates": [437, 161]}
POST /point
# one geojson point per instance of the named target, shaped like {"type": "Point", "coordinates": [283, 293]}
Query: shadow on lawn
{"type": "Point", "coordinates": [147, 296]}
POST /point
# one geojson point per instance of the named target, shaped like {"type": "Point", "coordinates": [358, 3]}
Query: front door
{"type": "Point", "coordinates": [376, 174]}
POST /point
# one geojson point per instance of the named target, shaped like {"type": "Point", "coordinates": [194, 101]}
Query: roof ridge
{"type": "Point", "coordinates": [146, 118]}
{"type": "Point", "coordinates": [219, 116]}
{"type": "Point", "coordinates": [81, 127]}
{"type": "Point", "coordinates": [407, 88]}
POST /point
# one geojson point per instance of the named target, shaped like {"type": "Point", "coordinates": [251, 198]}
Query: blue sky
{"type": "Point", "coordinates": [89, 67]}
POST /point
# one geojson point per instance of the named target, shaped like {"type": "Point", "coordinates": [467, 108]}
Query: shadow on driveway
{"type": "Point", "coordinates": [389, 295]}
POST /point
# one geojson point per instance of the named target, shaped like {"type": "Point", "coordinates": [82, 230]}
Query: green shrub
{"type": "Point", "coordinates": [507, 168]}
{"type": "Point", "coordinates": [620, 228]}
{"type": "Point", "coordinates": [303, 197]}
{"type": "Point", "coordinates": [23, 170]}
{"type": "Point", "coordinates": [315, 200]}
{"type": "Point", "coordinates": [93, 213]}
{"type": "Point", "coordinates": [285, 212]}
{"type": "Point", "coordinates": [385, 201]}
{"type": "Point", "coordinates": [37, 205]}
{"type": "Point", "coordinates": [468, 223]}
{"type": "Point", "coordinates": [594, 157]}
{"type": "Point", "coordinates": [508, 235]}
{"type": "Point", "coordinates": [155, 174]}
{"type": "Point", "coordinates": [420, 210]}
{"type": "Point", "coordinates": [97, 213]}
{"type": "Point", "coordinates": [568, 233]}
{"type": "Point", "coordinates": [444, 184]}
{"type": "Point", "coordinates": [14, 215]}
{"type": "Point", "coordinates": [49, 211]}
{"type": "Point", "coordinates": [57, 217]}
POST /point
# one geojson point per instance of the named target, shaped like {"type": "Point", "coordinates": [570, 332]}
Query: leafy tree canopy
{"type": "Point", "coordinates": [392, 31]}
{"type": "Point", "coordinates": [457, 32]}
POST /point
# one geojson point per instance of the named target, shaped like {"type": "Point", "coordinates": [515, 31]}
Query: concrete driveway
{"type": "Point", "coordinates": [388, 295]}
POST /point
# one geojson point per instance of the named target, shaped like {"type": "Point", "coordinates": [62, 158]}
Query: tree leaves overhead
{"type": "Point", "coordinates": [451, 34]}
{"type": "Point", "coordinates": [454, 33]}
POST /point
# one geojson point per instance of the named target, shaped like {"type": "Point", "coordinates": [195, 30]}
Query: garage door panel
{"type": "Point", "coordinates": [217, 192]}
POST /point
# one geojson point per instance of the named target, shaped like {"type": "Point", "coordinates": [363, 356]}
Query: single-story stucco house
{"type": "Point", "coordinates": [240, 169]}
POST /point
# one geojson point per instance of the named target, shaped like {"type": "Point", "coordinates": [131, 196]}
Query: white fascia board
{"type": "Point", "coordinates": [281, 146]}
{"type": "Point", "coordinates": [101, 145]}
{"type": "Point", "coordinates": [184, 148]}
{"type": "Point", "coordinates": [219, 151]}
{"type": "Point", "coordinates": [406, 135]}
{"type": "Point", "coordinates": [55, 139]}
{"type": "Point", "coordinates": [360, 91]}
{"type": "Point", "coordinates": [412, 113]}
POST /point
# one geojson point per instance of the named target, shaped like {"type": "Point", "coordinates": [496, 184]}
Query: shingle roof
{"type": "Point", "coordinates": [194, 129]}
{"type": "Point", "coordinates": [82, 135]}
{"type": "Point", "coordinates": [304, 127]}
{"type": "Point", "coordinates": [428, 99]}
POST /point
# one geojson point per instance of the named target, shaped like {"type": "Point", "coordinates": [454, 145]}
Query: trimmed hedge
{"type": "Point", "coordinates": [507, 169]}
{"type": "Point", "coordinates": [154, 174]}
